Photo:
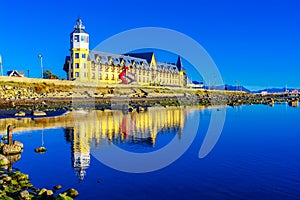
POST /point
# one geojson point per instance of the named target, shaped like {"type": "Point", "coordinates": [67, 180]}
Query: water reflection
{"type": "Point", "coordinates": [86, 130]}
{"type": "Point", "coordinates": [96, 128]}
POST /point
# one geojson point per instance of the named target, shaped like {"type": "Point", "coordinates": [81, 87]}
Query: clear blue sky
{"type": "Point", "coordinates": [253, 41]}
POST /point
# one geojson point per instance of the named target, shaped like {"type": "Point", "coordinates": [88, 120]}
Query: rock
{"type": "Point", "coordinates": [63, 197]}
{"type": "Point", "coordinates": [57, 187]}
{"type": "Point", "coordinates": [3, 160]}
{"type": "Point", "coordinates": [42, 191]}
{"type": "Point", "coordinates": [14, 158]}
{"type": "Point", "coordinates": [71, 192]}
{"type": "Point", "coordinates": [38, 113]}
{"type": "Point", "coordinates": [40, 150]}
{"type": "Point", "coordinates": [7, 178]}
{"type": "Point", "coordinates": [10, 149]}
{"type": "Point", "coordinates": [17, 143]}
{"type": "Point", "coordinates": [4, 138]}
{"type": "Point", "coordinates": [49, 193]}
{"type": "Point", "coordinates": [24, 194]}
{"type": "Point", "coordinates": [20, 114]}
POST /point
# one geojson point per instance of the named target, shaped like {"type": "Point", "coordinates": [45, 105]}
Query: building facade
{"type": "Point", "coordinates": [86, 65]}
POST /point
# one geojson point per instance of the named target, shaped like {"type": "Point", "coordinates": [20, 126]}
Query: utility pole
{"type": "Point", "coordinates": [41, 63]}
{"type": "Point", "coordinates": [1, 65]}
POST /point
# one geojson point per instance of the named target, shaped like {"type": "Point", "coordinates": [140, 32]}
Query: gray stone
{"type": "Point", "coordinates": [20, 114]}
{"type": "Point", "coordinates": [24, 194]}
{"type": "Point", "coordinates": [17, 143]}
{"type": "Point", "coordinates": [71, 192]}
{"type": "Point", "coordinates": [38, 113]}
{"type": "Point", "coordinates": [9, 149]}
{"type": "Point", "coordinates": [3, 160]}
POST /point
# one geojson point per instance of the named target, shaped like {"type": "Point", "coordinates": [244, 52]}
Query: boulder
{"type": "Point", "coordinates": [49, 193]}
{"type": "Point", "coordinates": [10, 149]}
{"type": "Point", "coordinates": [63, 197]}
{"type": "Point", "coordinates": [20, 114]}
{"type": "Point", "coordinates": [24, 194]}
{"type": "Point", "coordinates": [57, 187]}
{"type": "Point", "coordinates": [40, 150]}
{"type": "Point", "coordinates": [4, 138]}
{"type": "Point", "coordinates": [14, 158]}
{"type": "Point", "coordinates": [17, 143]}
{"type": "Point", "coordinates": [3, 160]}
{"type": "Point", "coordinates": [71, 192]}
{"type": "Point", "coordinates": [42, 191]}
{"type": "Point", "coordinates": [1, 144]}
{"type": "Point", "coordinates": [37, 113]}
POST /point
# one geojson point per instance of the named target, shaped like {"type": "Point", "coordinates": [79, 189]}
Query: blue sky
{"type": "Point", "coordinates": [254, 42]}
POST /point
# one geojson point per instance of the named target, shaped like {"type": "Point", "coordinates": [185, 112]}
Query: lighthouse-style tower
{"type": "Point", "coordinates": [79, 48]}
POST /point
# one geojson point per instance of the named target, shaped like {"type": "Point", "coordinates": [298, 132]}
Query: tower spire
{"type": "Point", "coordinates": [79, 25]}
{"type": "Point", "coordinates": [179, 64]}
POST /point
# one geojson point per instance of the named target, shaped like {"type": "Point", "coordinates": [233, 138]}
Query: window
{"type": "Point", "coordinates": [77, 74]}
{"type": "Point", "coordinates": [82, 38]}
{"type": "Point", "coordinates": [112, 77]}
{"type": "Point", "coordinates": [106, 76]}
{"type": "Point", "coordinates": [76, 55]}
{"type": "Point", "coordinates": [77, 65]}
{"type": "Point", "coordinates": [76, 38]}
{"type": "Point", "coordinates": [83, 55]}
{"type": "Point", "coordinates": [83, 65]}
{"type": "Point", "coordinates": [93, 75]}
{"type": "Point", "coordinates": [84, 74]}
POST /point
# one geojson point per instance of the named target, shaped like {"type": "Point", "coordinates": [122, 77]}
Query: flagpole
{"type": "Point", "coordinates": [1, 65]}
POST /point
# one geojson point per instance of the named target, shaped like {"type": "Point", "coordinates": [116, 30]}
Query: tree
{"type": "Point", "coordinates": [49, 75]}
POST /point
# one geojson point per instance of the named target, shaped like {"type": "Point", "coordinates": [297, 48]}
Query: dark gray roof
{"type": "Point", "coordinates": [179, 64]}
{"type": "Point", "coordinates": [147, 56]}
{"type": "Point", "coordinates": [116, 59]}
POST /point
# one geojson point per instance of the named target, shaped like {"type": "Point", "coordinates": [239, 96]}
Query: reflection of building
{"type": "Point", "coordinates": [98, 128]}
{"type": "Point", "coordinates": [80, 150]}
{"type": "Point", "coordinates": [98, 67]}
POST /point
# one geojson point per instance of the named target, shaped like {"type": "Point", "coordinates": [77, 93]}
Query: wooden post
{"type": "Point", "coordinates": [9, 134]}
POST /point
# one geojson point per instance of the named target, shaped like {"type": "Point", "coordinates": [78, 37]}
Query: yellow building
{"type": "Point", "coordinates": [86, 65]}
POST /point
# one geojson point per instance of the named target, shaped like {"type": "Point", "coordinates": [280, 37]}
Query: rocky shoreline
{"type": "Point", "coordinates": [29, 95]}
{"type": "Point", "coordinates": [16, 185]}
{"type": "Point", "coordinates": [56, 106]}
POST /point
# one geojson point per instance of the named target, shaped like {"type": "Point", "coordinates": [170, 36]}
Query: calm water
{"type": "Point", "coordinates": [256, 156]}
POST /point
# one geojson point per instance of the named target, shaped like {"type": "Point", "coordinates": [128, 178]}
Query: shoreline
{"type": "Point", "coordinates": [28, 94]}
{"type": "Point", "coordinates": [210, 98]}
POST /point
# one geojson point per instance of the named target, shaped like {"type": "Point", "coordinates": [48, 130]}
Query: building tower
{"type": "Point", "coordinates": [182, 73]}
{"type": "Point", "coordinates": [79, 49]}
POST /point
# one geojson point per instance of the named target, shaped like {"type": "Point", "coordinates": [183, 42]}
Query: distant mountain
{"type": "Point", "coordinates": [228, 87]}
{"type": "Point", "coordinates": [274, 90]}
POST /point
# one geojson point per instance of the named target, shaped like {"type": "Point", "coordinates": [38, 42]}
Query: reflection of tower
{"type": "Point", "coordinates": [80, 151]}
